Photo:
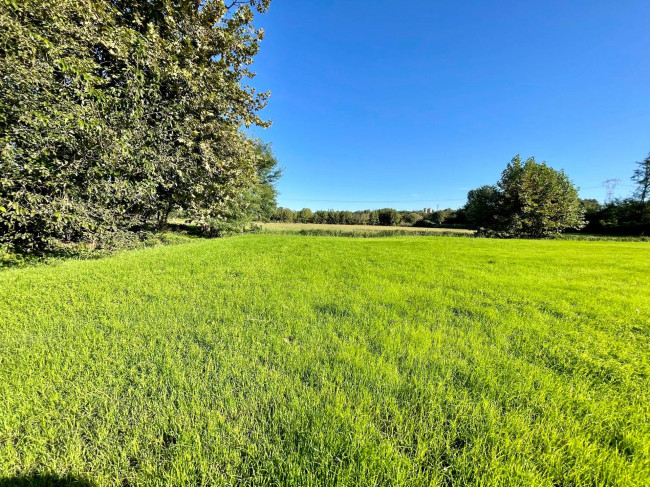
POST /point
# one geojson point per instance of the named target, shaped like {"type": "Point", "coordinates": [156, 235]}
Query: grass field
{"type": "Point", "coordinates": [357, 228]}
{"type": "Point", "coordinates": [293, 360]}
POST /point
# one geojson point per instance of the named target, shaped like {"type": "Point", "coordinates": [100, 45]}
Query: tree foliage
{"type": "Point", "coordinates": [641, 178]}
{"type": "Point", "coordinates": [255, 203]}
{"type": "Point", "coordinates": [483, 206]}
{"type": "Point", "coordinates": [410, 218]}
{"type": "Point", "coordinates": [530, 199]}
{"type": "Point", "coordinates": [616, 217]}
{"type": "Point", "coordinates": [113, 113]}
{"type": "Point", "coordinates": [305, 215]}
{"type": "Point", "coordinates": [389, 217]}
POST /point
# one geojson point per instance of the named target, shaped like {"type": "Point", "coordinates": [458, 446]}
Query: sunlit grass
{"type": "Point", "coordinates": [291, 360]}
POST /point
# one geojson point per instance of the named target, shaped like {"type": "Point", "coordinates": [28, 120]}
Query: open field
{"type": "Point", "coordinates": [292, 360]}
{"type": "Point", "coordinates": [357, 228]}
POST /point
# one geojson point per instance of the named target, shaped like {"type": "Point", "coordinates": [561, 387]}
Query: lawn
{"type": "Point", "coordinates": [294, 360]}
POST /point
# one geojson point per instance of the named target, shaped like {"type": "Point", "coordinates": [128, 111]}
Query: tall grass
{"type": "Point", "coordinates": [331, 232]}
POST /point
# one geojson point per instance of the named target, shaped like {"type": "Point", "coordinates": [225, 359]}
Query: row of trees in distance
{"type": "Point", "coordinates": [531, 199]}
{"type": "Point", "coordinates": [384, 217]}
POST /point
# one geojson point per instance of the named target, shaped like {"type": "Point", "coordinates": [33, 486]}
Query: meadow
{"type": "Point", "coordinates": [296, 227]}
{"type": "Point", "coordinates": [298, 360]}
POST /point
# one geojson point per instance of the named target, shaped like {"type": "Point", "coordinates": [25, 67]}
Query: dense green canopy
{"type": "Point", "coordinates": [530, 200]}
{"type": "Point", "coordinates": [113, 113]}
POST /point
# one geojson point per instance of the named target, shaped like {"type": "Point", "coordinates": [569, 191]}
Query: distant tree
{"type": "Point", "coordinates": [483, 206]}
{"type": "Point", "coordinates": [305, 215]}
{"type": "Point", "coordinates": [537, 200]}
{"type": "Point", "coordinates": [437, 217]}
{"type": "Point", "coordinates": [530, 199]}
{"type": "Point", "coordinates": [260, 201]}
{"type": "Point", "coordinates": [590, 205]}
{"type": "Point", "coordinates": [362, 217]}
{"type": "Point", "coordinates": [410, 218]}
{"type": "Point", "coordinates": [389, 217]}
{"type": "Point", "coordinates": [592, 209]}
{"type": "Point", "coordinates": [445, 214]}
{"type": "Point", "coordinates": [284, 215]}
{"type": "Point", "coordinates": [332, 217]}
{"type": "Point", "coordinates": [457, 217]}
{"type": "Point", "coordinates": [346, 218]}
{"type": "Point", "coordinates": [619, 217]}
{"type": "Point", "coordinates": [641, 178]}
{"type": "Point", "coordinates": [373, 217]}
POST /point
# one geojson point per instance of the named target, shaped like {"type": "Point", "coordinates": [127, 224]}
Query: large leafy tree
{"type": "Point", "coordinates": [538, 201]}
{"type": "Point", "coordinates": [530, 200]}
{"type": "Point", "coordinates": [113, 113]}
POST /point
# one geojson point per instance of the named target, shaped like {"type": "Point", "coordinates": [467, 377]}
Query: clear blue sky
{"type": "Point", "coordinates": [409, 104]}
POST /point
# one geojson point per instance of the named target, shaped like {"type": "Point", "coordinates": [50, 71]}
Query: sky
{"type": "Point", "coordinates": [399, 104]}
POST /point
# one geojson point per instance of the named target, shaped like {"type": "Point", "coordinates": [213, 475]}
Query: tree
{"type": "Point", "coordinates": [305, 215]}
{"type": "Point", "coordinates": [641, 178]}
{"type": "Point", "coordinates": [530, 200]}
{"type": "Point", "coordinates": [113, 113]}
{"type": "Point", "coordinates": [260, 200]}
{"type": "Point", "coordinates": [257, 203]}
{"type": "Point", "coordinates": [537, 200]}
{"type": "Point", "coordinates": [592, 210]}
{"type": "Point", "coordinates": [373, 217]}
{"type": "Point", "coordinates": [332, 217]}
{"type": "Point", "coordinates": [362, 217]}
{"type": "Point", "coordinates": [388, 217]}
{"type": "Point", "coordinates": [320, 216]}
{"type": "Point", "coordinates": [346, 218]}
{"type": "Point", "coordinates": [483, 206]}
{"type": "Point", "coordinates": [459, 217]}
{"type": "Point", "coordinates": [284, 215]}
{"type": "Point", "coordinates": [410, 218]}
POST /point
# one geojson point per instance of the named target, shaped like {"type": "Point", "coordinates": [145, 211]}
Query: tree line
{"type": "Point", "coordinates": [383, 217]}
{"type": "Point", "coordinates": [530, 199]}
{"type": "Point", "coordinates": [116, 113]}
{"type": "Point", "coordinates": [533, 200]}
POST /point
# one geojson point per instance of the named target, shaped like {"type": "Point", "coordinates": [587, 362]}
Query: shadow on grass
{"type": "Point", "coordinates": [187, 229]}
{"type": "Point", "coordinates": [38, 480]}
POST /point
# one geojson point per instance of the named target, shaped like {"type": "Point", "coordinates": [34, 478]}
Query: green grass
{"type": "Point", "coordinates": [290, 360]}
